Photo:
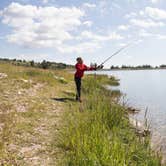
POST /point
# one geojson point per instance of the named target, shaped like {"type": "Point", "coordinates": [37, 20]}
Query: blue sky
{"type": "Point", "coordinates": [60, 30]}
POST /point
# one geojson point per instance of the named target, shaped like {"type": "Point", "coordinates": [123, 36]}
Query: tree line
{"type": "Point", "coordinates": [138, 67]}
{"type": "Point", "coordinates": [44, 64]}
{"type": "Point", "coordinates": [54, 65]}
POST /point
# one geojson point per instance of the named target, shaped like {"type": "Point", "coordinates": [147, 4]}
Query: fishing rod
{"type": "Point", "coordinates": [117, 52]}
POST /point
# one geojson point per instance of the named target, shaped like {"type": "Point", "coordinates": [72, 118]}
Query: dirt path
{"type": "Point", "coordinates": [34, 123]}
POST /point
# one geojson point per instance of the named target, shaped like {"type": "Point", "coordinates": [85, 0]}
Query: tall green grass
{"type": "Point", "coordinates": [97, 132]}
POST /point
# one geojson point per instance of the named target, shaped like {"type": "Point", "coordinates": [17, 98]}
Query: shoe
{"type": "Point", "coordinates": [77, 98]}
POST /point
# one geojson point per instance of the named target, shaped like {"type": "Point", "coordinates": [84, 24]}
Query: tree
{"type": "Point", "coordinates": [162, 66]}
{"type": "Point", "coordinates": [32, 63]}
{"type": "Point", "coordinates": [44, 64]}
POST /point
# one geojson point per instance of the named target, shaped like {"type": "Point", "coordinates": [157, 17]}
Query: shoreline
{"type": "Point", "coordinates": [142, 129]}
{"type": "Point", "coordinates": [94, 121]}
{"type": "Point", "coordinates": [156, 142]}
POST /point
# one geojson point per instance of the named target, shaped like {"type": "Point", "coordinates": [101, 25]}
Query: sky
{"type": "Point", "coordinates": [62, 30]}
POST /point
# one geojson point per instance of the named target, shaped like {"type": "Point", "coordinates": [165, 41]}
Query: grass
{"type": "Point", "coordinates": [93, 133]}
{"type": "Point", "coordinates": [98, 133]}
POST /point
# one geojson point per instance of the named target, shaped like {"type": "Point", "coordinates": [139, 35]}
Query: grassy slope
{"type": "Point", "coordinates": [98, 133]}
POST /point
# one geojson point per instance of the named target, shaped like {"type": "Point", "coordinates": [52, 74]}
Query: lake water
{"type": "Point", "coordinates": [146, 89]}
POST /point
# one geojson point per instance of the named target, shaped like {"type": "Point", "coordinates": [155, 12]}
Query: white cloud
{"type": "Point", "coordinates": [90, 42]}
{"type": "Point", "coordinates": [122, 44]}
{"type": "Point", "coordinates": [17, 10]}
{"type": "Point", "coordinates": [41, 26]}
{"type": "Point", "coordinates": [98, 38]}
{"type": "Point", "coordinates": [131, 1]}
{"type": "Point", "coordinates": [103, 7]}
{"type": "Point", "coordinates": [141, 13]}
{"type": "Point", "coordinates": [45, 1]}
{"type": "Point", "coordinates": [123, 27]}
{"type": "Point", "coordinates": [154, 1]}
{"type": "Point", "coordinates": [162, 37]}
{"type": "Point", "coordinates": [146, 23]}
{"type": "Point", "coordinates": [131, 15]}
{"type": "Point", "coordinates": [145, 34]}
{"type": "Point", "coordinates": [155, 13]}
{"type": "Point", "coordinates": [79, 48]}
{"type": "Point", "coordinates": [116, 5]}
{"type": "Point", "coordinates": [89, 5]}
{"type": "Point", "coordinates": [88, 23]}
{"type": "Point", "coordinates": [59, 28]}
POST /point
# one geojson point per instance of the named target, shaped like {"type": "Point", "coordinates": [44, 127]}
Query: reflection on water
{"type": "Point", "coordinates": [146, 89]}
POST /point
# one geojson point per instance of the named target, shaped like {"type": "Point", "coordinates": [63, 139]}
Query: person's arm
{"type": "Point", "coordinates": [86, 68]}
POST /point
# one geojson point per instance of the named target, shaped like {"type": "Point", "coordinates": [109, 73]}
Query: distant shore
{"type": "Point", "coordinates": [132, 69]}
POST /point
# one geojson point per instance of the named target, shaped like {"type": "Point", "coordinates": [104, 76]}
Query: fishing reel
{"type": "Point", "coordinates": [100, 67]}
{"type": "Point", "coordinates": [94, 65]}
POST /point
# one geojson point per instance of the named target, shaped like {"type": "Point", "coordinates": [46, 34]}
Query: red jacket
{"type": "Point", "coordinates": [80, 68]}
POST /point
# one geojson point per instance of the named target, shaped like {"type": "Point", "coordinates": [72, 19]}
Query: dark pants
{"type": "Point", "coordinates": [78, 87]}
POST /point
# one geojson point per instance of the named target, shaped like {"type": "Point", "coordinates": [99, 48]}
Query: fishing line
{"type": "Point", "coordinates": [117, 52]}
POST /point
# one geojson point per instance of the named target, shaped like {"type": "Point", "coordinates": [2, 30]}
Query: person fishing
{"type": "Point", "coordinates": [80, 68]}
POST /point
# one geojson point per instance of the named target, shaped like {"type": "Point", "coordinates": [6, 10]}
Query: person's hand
{"type": "Point", "coordinates": [100, 67]}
